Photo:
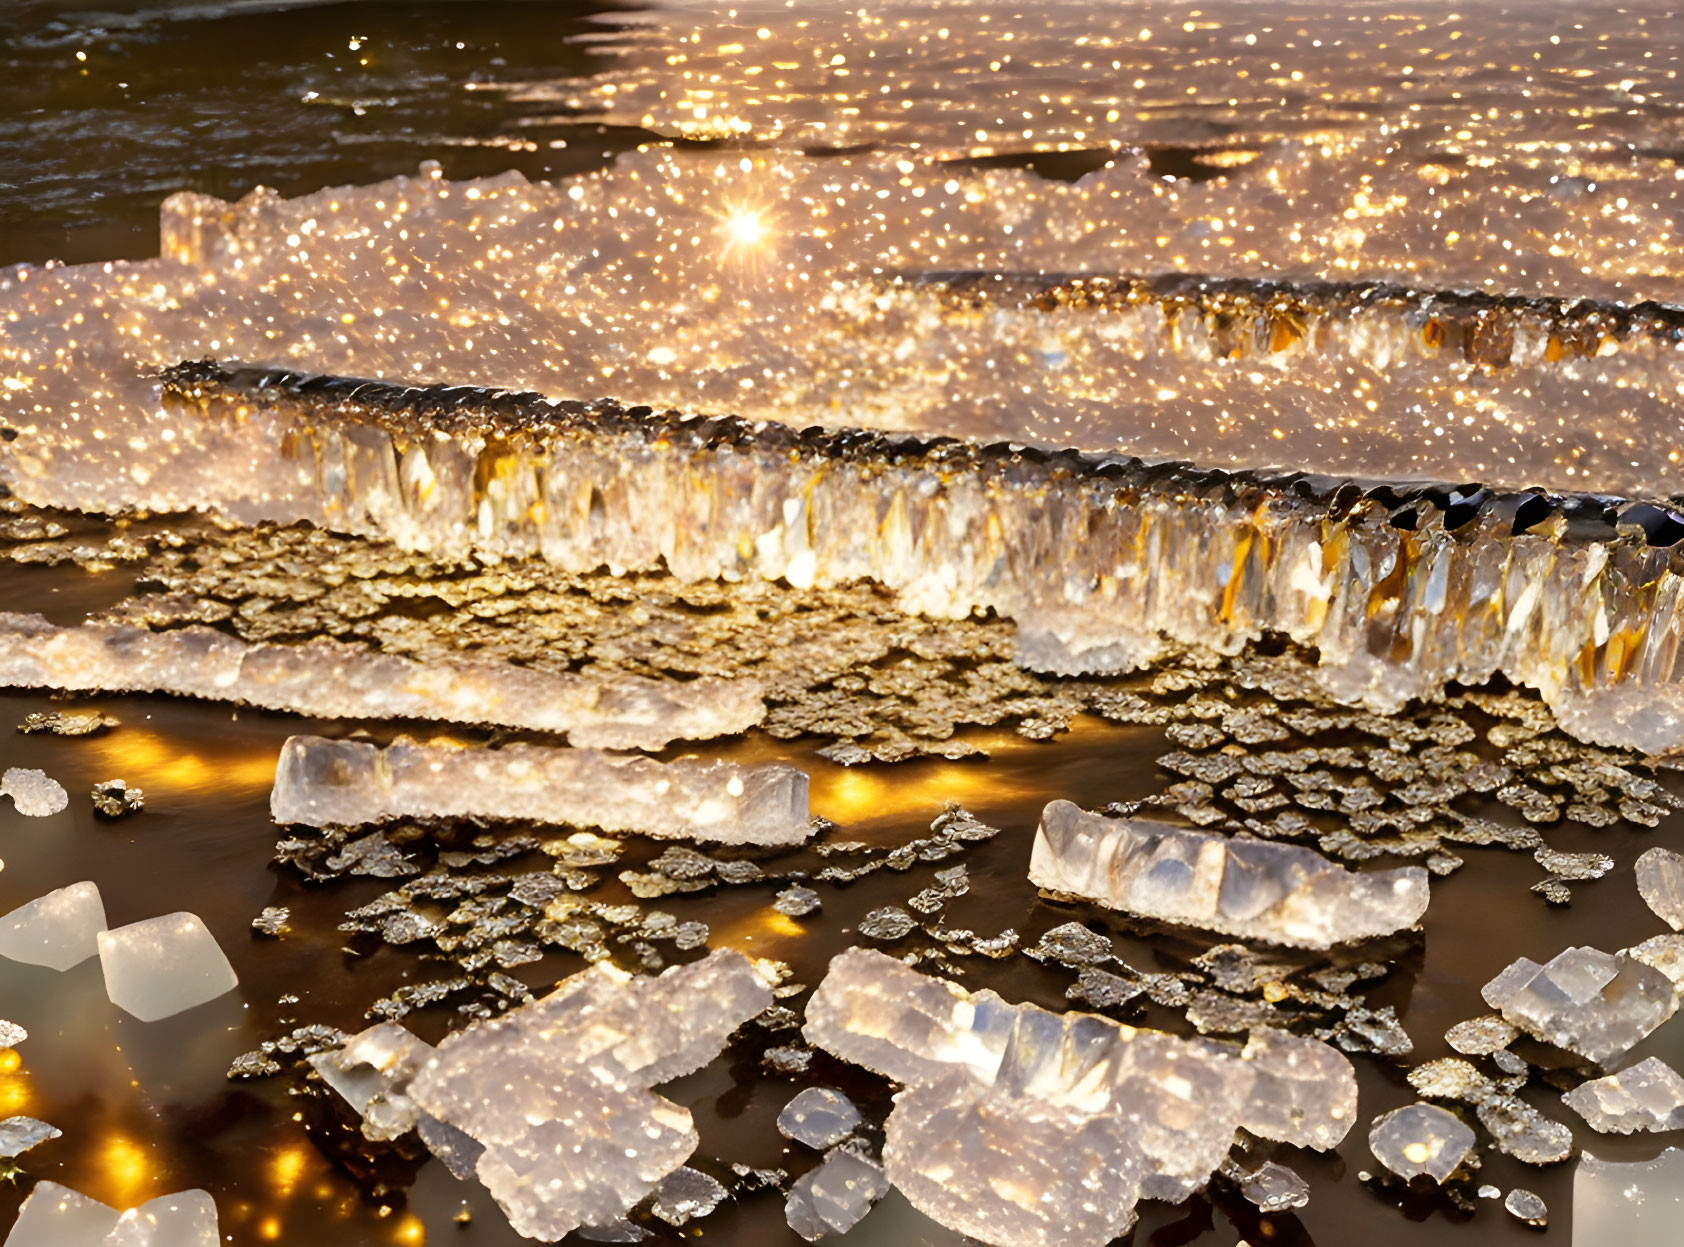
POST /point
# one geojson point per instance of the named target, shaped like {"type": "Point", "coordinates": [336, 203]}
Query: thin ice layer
{"type": "Point", "coordinates": [345, 783]}
{"type": "Point", "coordinates": [1020, 1126]}
{"type": "Point", "coordinates": [1254, 889]}
{"type": "Point", "coordinates": [330, 679]}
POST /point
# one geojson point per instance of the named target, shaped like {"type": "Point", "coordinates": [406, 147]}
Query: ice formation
{"type": "Point", "coordinates": [19, 1134]}
{"type": "Point", "coordinates": [834, 1197]}
{"type": "Point", "coordinates": [1632, 1203]}
{"type": "Point", "coordinates": [332, 679]}
{"type": "Point", "coordinates": [1018, 1126]}
{"type": "Point", "coordinates": [345, 783]}
{"type": "Point", "coordinates": [819, 1117]}
{"type": "Point", "coordinates": [1254, 889]}
{"type": "Point", "coordinates": [162, 966]}
{"type": "Point", "coordinates": [1660, 880]}
{"type": "Point", "coordinates": [1420, 1139]}
{"type": "Point", "coordinates": [550, 1104]}
{"type": "Point", "coordinates": [35, 793]}
{"type": "Point", "coordinates": [56, 1216]}
{"type": "Point", "coordinates": [1648, 1096]}
{"type": "Point", "coordinates": [58, 930]}
{"type": "Point", "coordinates": [1596, 1004]}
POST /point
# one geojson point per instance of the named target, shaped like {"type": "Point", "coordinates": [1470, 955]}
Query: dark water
{"type": "Point", "coordinates": [221, 98]}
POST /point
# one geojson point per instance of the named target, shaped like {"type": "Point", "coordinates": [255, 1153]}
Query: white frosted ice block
{"type": "Point", "coordinates": [163, 966]}
{"type": "Point", "coordinates": [58, 930]}
{"type": "Point", "coordinates": [56, 1216]}
{"type": "Point", "coordinates": [1635, 1204]}
{"type": "Point", "coordinates": [347, 782]}
{"type": "Point", "coordinates": [35, 793]}
{"type": "Point", "coordinates": [184, 1219]}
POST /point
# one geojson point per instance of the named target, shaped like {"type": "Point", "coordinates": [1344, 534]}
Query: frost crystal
{"type": "Point", "coordinates": [1660, 878]}
{"type": "Point", "coordinates": [163, 966]}
{"type": "Point", "coordinates": [330, 679]}
{"type": "Point", "coordinates": [1255, 889]}
{"type": "Point", "coordinates": [35, 794]}
{"type": "Point", "coordinates": [58, 930]}
{"type": "Point", "coordinates": [1648, 1096]}
{"type": "Point", "coordinates": [1587, 1001]}
{"type": "Point", "coordinates": [1018, 1126]}
{"type": "Point", "coordinates": [347, 782]}
{"type": "Point", "coordinates": [1420, 1139]}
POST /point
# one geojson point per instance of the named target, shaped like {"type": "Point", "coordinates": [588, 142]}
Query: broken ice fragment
{"type": "Point", "coordinates": [1665, 953]}
{"type": "Point", "coordinates": [1660, 879]}
{"type": "Point", "coordinates": [33, 792]}
{"type": "Point", "coordinates": [348, 782]}
{"type": "Point", "coordinates": [185, 1219]}
{"type": "Point", "coordinates": [1420, 1139]}
{"type": "Point", "coordinates": [1584, 1000]}
{"type": "Point", "coordinates": [1647, 1096]}
{"type": "Point", "coordinates": [1303, 1091]}
{"type": "Point", "coordinates": [819, 1117]}
{"type": "Point", "coordinates": [1255, 889]}
{"type": "Point", "coordinates": [834, 1197]}
{"type": "Point", "coordinates": [331, 679]}
{"type": "Point", "coordinates": [1481, 1036]}
{"type": "Point", "coordinates": [1526, 1207]}
{"type": "Point", "coordinates": [1632, 1204]}
{"type": "Point", "coordinates": [1275, 1188]}
{"type": "Point", "coordinates": [56, 1216]}
{"type": "Point", "coordinates": [163, 966]}
{"type": "Point", "coordinates": [369, 1072]}
{"type": "Point", "coordinates": [686, 1194]}
{"type": "Point", "coordinates": [19, 1134]}
{"type": "Point", "coordinates": [58, 930]}
{"type": "Point", "coordinates": [11, 1034]}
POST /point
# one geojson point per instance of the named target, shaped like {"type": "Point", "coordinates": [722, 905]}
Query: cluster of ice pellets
{"type": "Point", "coordinates": [345, 783]}
{"type": "Point", "coordinates": [1021, 1127]}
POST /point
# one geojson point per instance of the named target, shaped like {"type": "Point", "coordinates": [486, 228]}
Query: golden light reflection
{"type": "Point", "coordinates": [285, 1169]}
{"type": "Point", "coordinates": [155, 765]}
{"type": "Point", "coordinates": [410, 1231]}
{"type": "Point", "coordinates": [15, 1091]}
{"type": "Point", "coordinates": [127, 1171]}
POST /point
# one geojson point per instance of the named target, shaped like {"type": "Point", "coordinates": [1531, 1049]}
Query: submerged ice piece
{"type": "Point", "coordinates": [332, 679]}
{"type": "Point", "coordinates": [344, 782]}
{"type": "Point", "coordinates": [1584, 1000]}
{"type": "Point", "coordinates": [1631, 1204]}
{"type": "Point", "coordinates": [1254, 889]}
{"type": "Point", "coordinates": [58, 930]}
{"type": "Point", "coordinates": [556, 1093]}
{"type": "Point", "coordinates": [1420, 1139]}
{"type": "Point", "coordinates": [56, 1216]}
{"type": "Point", "coordinates": [1031, 1129]}
{"type": "Point", "coordinates": [1648, 1096]}
{"type": "Point", "coordinates": [163, 966]}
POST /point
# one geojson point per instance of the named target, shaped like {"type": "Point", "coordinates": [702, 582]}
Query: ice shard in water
{"type": "Point", "coordinates": [1018, 1126]}
{"type": "Point", "coordinates": [346, 782]}
{"type": "Point", "coordinates": [1254, 889]}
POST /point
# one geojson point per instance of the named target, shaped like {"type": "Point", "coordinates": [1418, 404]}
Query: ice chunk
{"type": "Point", "coordinates": [331, 679]}
{"type": "Point", "coordinates": [685, 1195]}
{"type": "Point", "coordinates": [368, 1072]}
{"type": "Point", "coordinates": [819, 1117]}
{"type": "Point", "coordinates": [1481, 1036]}
{"type": "Point", "coordinates": [1660, 879]}
{"type": "Point", "coordinates": [1665, 953]}
{"type": "Point", "coordinates": [19, 1134]}
{"type": "Point", "coordinates": [163, 966]}
{"type": "Point", "coordinates": [1587, 1001]}
{"type": "Point", "coordinates": [56, 1216]}
{"type": "Point", "coordinates": [1633, 1204]}
{"type": "Point", "coordinates": [58, 930]}
{"type": "Point", "coordinates": [185, 1219]}
{"type": "Point", "coordinates": [1275, 1188]}
{"type": "Point", "coordinates": [1527, 1207]}
{"type": "Point", "coordinates": [1255, 889]}
{"type": "Point", "coordinates": [11, 1034]}
{"type": "Point", "coordinates": [35, 793]}
{"type": "Point", "coordinates": [834, 1197]}
{"type": "Point", "coordinates": [1648, 1096]}
{"type": "Point", "coordinates": [1020, 1126]}
{"type": "Point", "coordinates": [347, 782]}
{"type": "Point", "coordinates": [1420, 1139]}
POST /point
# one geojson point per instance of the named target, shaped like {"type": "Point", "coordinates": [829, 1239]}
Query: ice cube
{"type": "Point", "coordinates": [58, 930]}
{"type": "Point", "coordinates": [163, 966]}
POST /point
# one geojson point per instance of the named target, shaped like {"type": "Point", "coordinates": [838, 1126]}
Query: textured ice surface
{"type": "Point", "coordinates": [1275, 1188]}
{"type": "Point", "coordinates": [185, 1219]}
{"type": "Point", "coordinates": [1660, 879]}
{"type": "Point", "coordinates": [1255, 889]}
{"type": "Point", "coordinates": [557, 1094]}
{"type": "Point", "coordinates": [35, 793]}
{"type": "Point", "coordinates": [835, 1196]}
{"type": "Point", "coordinates": [686, 1194]}
{"type": "Point", "coordinates": [343, 782]}
{"type": "Point", "coordinates": [163, 966]}
{"type": "Point", "coordinates": [19, 1134]}
{"type": "Point", "coordinates": [56, 1216]}
{"type": "Point", "coordinates": [1647, 1096]}
{"type": "Point", "coordinates": [1633, 1204]}
{"type": "Point", "coordinates": [1527, 1206]}
{"type": "Point", "coordinates": [328, 679]}
{"type": "Point", "coordinates": [1019, 1126]}
{"type": "Point", "coordinates": [370, 1072]}
{"type": "Point", "coordinates": [58, 930]}
{"type": "Point", "coordinates": [1420, 1139]}
{"type": "Point", "coordinates": [1596, 1004]}
{"type": "Point", "coordinates": [11, 1034]}
{"type": "Point", "coordinates": [819, 1117]}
